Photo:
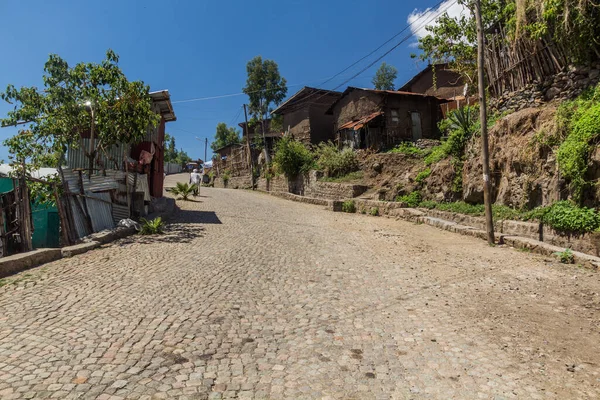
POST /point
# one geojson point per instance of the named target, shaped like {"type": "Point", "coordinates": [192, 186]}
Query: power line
{"type": "Point", "coordinates": [404, 39]}
{"type": "Point", "coordinates": [328, 79]}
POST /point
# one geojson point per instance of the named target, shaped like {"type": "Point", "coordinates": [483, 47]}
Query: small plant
{"type": "Point", "coordinates": [348, 206]}
{"type": "Point", "coordinates": [374, 211]}
{"type": "Point", "coordinates": [421, 176]}
{"type": "Point", "coordinates": [407, 148]}
{"type": "Point", "coordinates": [352, 176]}
{"type": "Point", "coordinates": [566, 256]}
{"type": "Point", "coordinates": [225, 176]}
{"type": "Point", "coordinates": [154, 227]}
{"type": "Point", "coordinates": [412, 199]}
{"type": "Point", "coordinates": [183, 190]}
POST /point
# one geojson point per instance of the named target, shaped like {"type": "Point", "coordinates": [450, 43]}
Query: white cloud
{"type": "Point", "coordinates": [419, 20]}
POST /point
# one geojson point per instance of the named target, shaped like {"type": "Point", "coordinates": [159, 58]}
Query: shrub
{"type": "Point", "coordinates": [292, 157]}
{"type": "Point", "coordinates": [565, 256]}
{"type": "Point", "coordinates": [352, 176]}
{"type": "Point", "coordinates": [334, 162]}
{"type": "Point", "coordinates": [412, 199]}
{"type": "Point", "coordinates": [184, 190]}
{"type": "Point", "coordinates": [421, 176]}
{"type": "Point", "coordinates": [154, 227]}
{"type": "Point", "coordinates": [580, 120]}
{"type": "Point", "coordinates": [438, 153]}
{"type": "Point", "coordinates": [348, 206]}
{"type": "Point", "coordinates": [566, 217]}
{"type": "Point", "coordinates": [374, 211]}
{"type": "Point", "coordinates": [407, 148]}
{"type": "Point", "coordinates": [429, 204]}
{"type": "Point", "coordinates": [225, 176]}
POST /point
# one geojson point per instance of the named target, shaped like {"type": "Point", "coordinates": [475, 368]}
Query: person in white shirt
{"type": "Point", "coordinates": [196, 180]}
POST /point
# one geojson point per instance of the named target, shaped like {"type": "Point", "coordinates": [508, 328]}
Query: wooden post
{"type": "Point", "coordinates": [248, 144]}
{"type": "Point", "coordinates": [62, 217]}
{"type": "Point", "coordinates": [489, 222]}
{"type": "Point", "coordinates": [86, 209]}
{"type": "Point", "coordinates": [27, 228]}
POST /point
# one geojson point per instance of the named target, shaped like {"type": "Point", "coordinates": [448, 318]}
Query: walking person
{"type": "Point", "coordinates": [196, 180]}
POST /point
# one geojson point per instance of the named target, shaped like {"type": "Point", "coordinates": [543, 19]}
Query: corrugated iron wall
{"type": "Point", "coordinates": [113, 159]}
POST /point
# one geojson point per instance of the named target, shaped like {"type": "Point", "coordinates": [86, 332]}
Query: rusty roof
{"type": "Point", "coordinates": [356, 125]}
{"type": "Point", "coordinates": [388, 92]}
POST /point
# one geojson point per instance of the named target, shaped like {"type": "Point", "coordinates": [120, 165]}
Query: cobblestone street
{"type": "Point", "coordinates": [254, 297]}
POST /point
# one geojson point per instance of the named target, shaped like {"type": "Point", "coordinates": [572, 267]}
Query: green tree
{"type": "Point", "coordinates": [87, 97]}
{"type": "Point", "coordinates": [182, 158]}
{"type": "Point", "coordinates": [384, 77]}
{"type": "Point", "coordinates": [224, 136]}
{"type": "Point", "coordinates": [170, 149]}
{"type": "Point", "coordinates": [264, 87]}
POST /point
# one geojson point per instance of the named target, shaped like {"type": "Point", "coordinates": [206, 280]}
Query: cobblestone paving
{"type": "Point", "coordinates": [254, 297]}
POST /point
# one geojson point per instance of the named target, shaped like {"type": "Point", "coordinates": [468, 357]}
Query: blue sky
{"type": "Point", "coordinates": [200, 48]}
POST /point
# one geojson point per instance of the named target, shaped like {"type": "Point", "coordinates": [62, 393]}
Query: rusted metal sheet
{"type": "Point", "coordinates": [356, 125]}
{"type": "Point", "coordinates": [119, 212]}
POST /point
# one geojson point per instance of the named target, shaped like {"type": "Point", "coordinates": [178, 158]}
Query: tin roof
{"type": "Point", "coordinates": [350, 89]}
{"type": "Point", "coordinates": [356, 125]}
{"type": "Point", "coordinates": [162, 98]}
{"type": "Point", "coordinates": [305, 94]}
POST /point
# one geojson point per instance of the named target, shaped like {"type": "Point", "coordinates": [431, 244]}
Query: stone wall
{"type": "Point", "coordinates": [310, 186]}
{"type": "Point", "coordinates": [234, 182]}
{"type": "Point", "coordinates": [565, 85]}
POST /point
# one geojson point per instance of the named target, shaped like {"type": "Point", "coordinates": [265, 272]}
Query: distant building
{"type": "Point", "coordinates": [304, 115]}
{"type": "Point", "coordinates": [441, 81]}
{"type": "Point", "coordinates": [380, 119]}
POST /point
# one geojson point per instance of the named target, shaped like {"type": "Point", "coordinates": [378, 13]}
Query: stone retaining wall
{"type": "Point", "coordinates": [311, 186]}
{"type": "Point", "coordinates": [234, 182]}
{"type": "Point", "coordinates": [565, 85]}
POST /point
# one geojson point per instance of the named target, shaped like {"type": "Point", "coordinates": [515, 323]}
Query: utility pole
{"type": "Point", "coordinates": [485, 154]}
{"type": "Point", "coordinates": [205, 147]}
{"type": "Point", "coordinates": [248, 139]}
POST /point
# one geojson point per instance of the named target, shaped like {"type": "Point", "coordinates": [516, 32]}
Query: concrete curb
{"type": "Point", "coordinates": [20, 262]}
{"type": "Point", "coordinates": [415, 215]}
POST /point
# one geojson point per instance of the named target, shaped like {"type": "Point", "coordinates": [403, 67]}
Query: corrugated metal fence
{"type": "Point", "coordinates": [172, 168]}
{"type": "Point", "coordinates": [102, 202]}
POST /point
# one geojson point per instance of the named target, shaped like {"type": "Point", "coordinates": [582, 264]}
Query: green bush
{"type": "Point", "coordinates": [374, 211]}
{"type": "Point", "coordinates": [292, 157]}
{"type": "Point", "coordinates": [226, 175]}
{"type": "Point", "coordinates": [335, 162]}
{"type": "Point", "coordinates": [568, 218]}
{"type": "Point", "coordinates": [421, 176]}
{"type": "Point", "coordinates": [412, 199]}
{"type": "Point", "coordinates": [580, 121]}
{"type": "Point", "coordinates": [566, 256]}
{"type": "Point", "coordinates": [436, 155]}
{"type": "Point", "coordinates": [429, 204]}
{"type": "Point", "coordinates": [154, 227]}
{"type": "Point", "coordinates": [348, 206]}
{"type": "Point", "coordinates": [408, 148]}
{"type": "Point", "coordinates": [184, 190]}
{"type": "Point", "coordinates": [352, 176]}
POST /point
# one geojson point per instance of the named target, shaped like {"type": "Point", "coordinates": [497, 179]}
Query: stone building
{"type": "Point", "coordinates": [380, 119]}
{"type": "Point", "coordinates": [304, 115]}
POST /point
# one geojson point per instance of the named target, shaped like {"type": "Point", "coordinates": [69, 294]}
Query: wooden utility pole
{"type": "Point", "coordinates": [485, 154]}
{"type": "Point", "coordinates": [27, 226]}
{"type": "Point", "coordinates": [248, 139]}
{"type": "Point", "coordinates": [205, 147]}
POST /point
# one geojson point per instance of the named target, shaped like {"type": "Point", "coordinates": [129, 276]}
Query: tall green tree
{"type": "Point", "coordinates": [265, 87]}
{"type": "Point", "coordinates": [87, 97]}
{"type": "Point", "coordinates": [224, 136]}
{"type": "Point", "coordinates": [384, 77]}
{"type": "Point", "coordinates": [170, 149]}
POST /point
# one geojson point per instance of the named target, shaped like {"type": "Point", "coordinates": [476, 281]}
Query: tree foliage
{"type": "Point", "coordinates": [573, 23]}
{"type": "Point", "coordinates": [224, 136]}
{"type": "Point", "coordinates": [172, 155]}
{"type": "Point", "coordinates": [264, 86]}
{"type": "Point", "coordinates": [56, 116]}
{"type": "Point", "coordinates": [292, 157]}
{"type": "Point", "coordinates": [384, 77]}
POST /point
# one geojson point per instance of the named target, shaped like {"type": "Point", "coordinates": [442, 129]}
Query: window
{"type": "Point", "coordinates": [395, 117]}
